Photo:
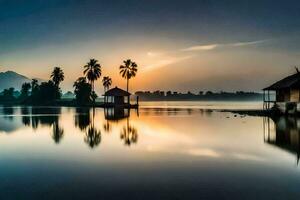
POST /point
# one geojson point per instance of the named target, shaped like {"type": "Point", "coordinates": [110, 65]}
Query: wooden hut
{"type": "Point", "coordinates": [287, 94]}
{"type": "Point", "coordinates": [117, 97]}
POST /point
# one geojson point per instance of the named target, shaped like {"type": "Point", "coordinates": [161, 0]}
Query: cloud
{"type": "Point", "coordinates": [153, 54]}
{"type": "Point", "coordinates": [214, 46]}
{"type": "Point", "coordinates": [168, 57]}
{"type": "Point", "coordinates": [238, 44]}
{"type": "Point", "coordinates": [201, 47]}
{"type": "Point", "coordinates": [165, 62]}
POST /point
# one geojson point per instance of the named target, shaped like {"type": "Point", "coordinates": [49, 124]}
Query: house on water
{"type": "Point", "coordinates": [287, 94]}
{"type": "Point", "coordinates": [117, 97]}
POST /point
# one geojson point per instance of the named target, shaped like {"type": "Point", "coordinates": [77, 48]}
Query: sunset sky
{"type": "Point", "coordinates": [178, 44]}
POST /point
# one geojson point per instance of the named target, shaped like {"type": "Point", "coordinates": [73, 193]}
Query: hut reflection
{"type": "Point", "coordinates": [283, 133]}
{"type": "Point", "coordinates": [116, 113]}
{"type": "Point", "coordinates": [128, 134]}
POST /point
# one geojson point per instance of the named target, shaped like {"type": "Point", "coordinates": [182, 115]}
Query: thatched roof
{"type": "Point", "coordinates": [292, 82]}
{"type": "Point", "coordinates": [117, 92]}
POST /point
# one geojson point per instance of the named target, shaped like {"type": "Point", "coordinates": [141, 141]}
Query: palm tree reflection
{"type": "Point", "coordinates": [35, 117]}
{"type": "Point", "coordinates": [25, 116]}
{"type": "Point", "coordinates": [92, 135]}
{"type": "Point", "coordinates": [57, 132]}
{"type": "Point", "coordinates": [107, 126]}
{"type": "Point", "coordinates": [82, 118]}
{"type": "Point", "coordinates": [129, 134]}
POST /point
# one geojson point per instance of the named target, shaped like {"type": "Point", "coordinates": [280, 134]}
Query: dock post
{"type": "Point", "coordinates": [264, 100]}
{"type": "Point", "coordinates": [268, 99]}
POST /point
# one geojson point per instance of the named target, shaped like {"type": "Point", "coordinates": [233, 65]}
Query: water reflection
{"type": "Point", "coordinates": [43, 116]}
{"type": "Point", "coordinates": [283, 132]}
{"type": "Point", "coordinates": [200, 153]}
{"type": "Point", "coordinates": [107, 126]}
{"type": "Point", "coordinates": [25, 116]}
{"type": "Point", "coordinates": [92, 135]}
{"type": "Point", "coordinates": [8, 112]}
{"type": "Point", "coordinates": [57, 132]}
{"type": "Point", "coordinates": [82, 118]}
{"type": "Point", "coordinates": [129, 134]}
{"type": "Point", "coordinates": [116, 114]}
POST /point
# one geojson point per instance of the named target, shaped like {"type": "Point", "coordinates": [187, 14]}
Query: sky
{"type": "Point", "coordinates": [179, 45]}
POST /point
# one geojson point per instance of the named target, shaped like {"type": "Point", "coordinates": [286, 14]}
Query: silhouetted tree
{"type": "Point", "coordinates": [92, 71]}
{"type": "Point", "coordinates": [209, 93]}
{"type": "Point", "coordinates": [48, 92]}
{"type": "Point", "coordinates": [57, 76]}
{"type": "Point", "coordinates": [8, 95]}
{"type": "Point", "coordinates": [83, 91]}
{"type": "Point", "coordinates": [25, 91]}
{"type": "Point", "coordinates": [34, 90]}
{"type": "Point", "coordinates": [128, 70]}
{"type": "Point", "coordinates": [34, 84]}
{"type": "Point", "coordinates": [106, 81]}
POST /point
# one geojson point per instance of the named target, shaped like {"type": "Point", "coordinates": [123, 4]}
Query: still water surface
{"type": "Point", "coordinates": [156, 153]}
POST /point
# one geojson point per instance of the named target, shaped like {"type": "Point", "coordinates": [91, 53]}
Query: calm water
{"type": "Point", "coordinates": [217, 105]}
{"type": "Point", "coordinates": [157, 153]}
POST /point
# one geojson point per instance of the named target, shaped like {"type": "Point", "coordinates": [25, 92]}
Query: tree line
{"type": "Point", "coordinates": [48, 92]}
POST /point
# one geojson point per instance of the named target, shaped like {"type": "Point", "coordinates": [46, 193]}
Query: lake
{"type": "Point", "coordinates": [159, 152]}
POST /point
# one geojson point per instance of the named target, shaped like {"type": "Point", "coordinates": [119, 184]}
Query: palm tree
{"type": "Point", "coordinates": [57, 76]}
{"type": "Point", "coordinates": [25, 89]}
{"type": "Point", "coordinates": [34, 84]}
{"type": "Point", "coordinates": [106, 83]}
{"type": "Point", "coordinates": [128, 70]}
{"type": "Point", "coordinates": [92, 71]}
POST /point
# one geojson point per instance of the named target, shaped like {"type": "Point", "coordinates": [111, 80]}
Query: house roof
{"type": "Point", "coordinates": [292, 81]}
{"type": "Point", "coordinates": [117, 92]}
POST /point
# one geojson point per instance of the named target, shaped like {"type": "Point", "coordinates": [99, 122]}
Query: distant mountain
{"type": "Point", "coordinates": [12, 79]}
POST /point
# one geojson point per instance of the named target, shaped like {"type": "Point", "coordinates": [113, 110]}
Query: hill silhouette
{"type": "Point", "coordinates": [12, 79]}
